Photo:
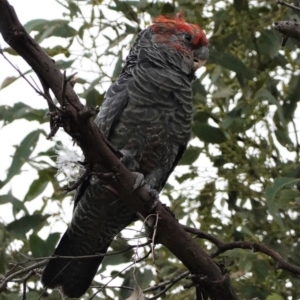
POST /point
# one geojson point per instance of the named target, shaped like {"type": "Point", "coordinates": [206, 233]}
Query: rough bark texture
{"type": "Point", "coordinates": [101, 158]}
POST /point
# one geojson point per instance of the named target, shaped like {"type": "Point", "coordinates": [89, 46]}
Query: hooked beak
{"type": "Point", "coordinates": [200, 57]}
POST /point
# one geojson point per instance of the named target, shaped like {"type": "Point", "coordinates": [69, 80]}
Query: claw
{"type": "Point", "coordinates": [139, 180]}
{"type": "Point", "coordinates": [129, 160]}
{"type": "Point", "coordinates": [154, 194]}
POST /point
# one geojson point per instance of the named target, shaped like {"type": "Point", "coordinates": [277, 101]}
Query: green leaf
{"type": "Point", "coordinates": [265, 94]}
{"type": "Point", "coordinates": [36, 25]}
{"type": "Point", "coordinates": [52, 241]}
{"type": "Point", "coordinates": [17, 204]}
{"type": "Point", "coordinates": [38, 246]}
{"type": "Point", "coordinates": [271, 192]}
{"type": "Point", "coordinates": [126, 9]}
{"type": "Point", "coordinates": [201, 116]}
{"type": "Point", "coordinates": [222, 93]}
{"type": "Point", "coordinates": [57, 50]}
{"type": "Point", "coordinates": [198, 88]}
{"type": "Point", "coordinates": [190, 156]}
{"type": "Point", "coordinates": [246, 264]}
{"type": "Point", "coordinates": [235, 124]}
{"type": "Point", "coordinates": [94, 98]}
{"type": "Point", "coordinates": [7, 81]}
{"type": "Point", "coordinates": [118, 66]}
{"type": "Point", "coordinates": [22, 154]}
{"type": "Point", "coordinates": [278, 184]}
{"type": "Point", "coordinates": [20, 110]}
{"type": "Point", "coordinates": [36, 188]}
{"type": "Point", "coordinates": [208, 134]}
{"type": "Point", "coordinates": [286, 196]}
{"type": "Point", "coordinates": [247, 231]}
{"type": "Point", "coordinates": [21, 226]}
{"type": "Point", "coordinates": [261, 269]}
{"type": "Point", "coordinates": [10, 51]}
{"type": "Point", "coordinates": [284, 139]}
{"type": "Point", "coordinates": [64, 64]}
{"type": "Point", "coordinates": [269, 43]}
{"type": "Point", "coordinates": [241, 5]}
{"type": "Point", "coordinates": [131, 29]}
{"type": "Point", "coordinates": [74, 9]}
{"type": "Point", "coordinates": [274, 296]}
{"type": "Point", "coordinates": [58, 28]}
{"type": "Point", "coordinates": [230, 62]}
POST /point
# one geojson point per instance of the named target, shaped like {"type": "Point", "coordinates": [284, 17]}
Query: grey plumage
{"type": "Point", "coordinates": [146, 115]}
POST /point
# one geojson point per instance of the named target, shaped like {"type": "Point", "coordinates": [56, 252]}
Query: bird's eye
{"type": "Point", "coordinates": [188, 37]}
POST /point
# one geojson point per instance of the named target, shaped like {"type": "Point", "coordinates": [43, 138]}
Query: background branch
{"type": "Point", "coordinates": [281, 263]}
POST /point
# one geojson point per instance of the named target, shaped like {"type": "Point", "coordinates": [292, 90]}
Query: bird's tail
{"type": "Point", "coordinates": [73, 275]}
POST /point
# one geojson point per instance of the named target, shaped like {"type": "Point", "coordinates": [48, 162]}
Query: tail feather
{"type": "Point", "coordinates": [74, 276]}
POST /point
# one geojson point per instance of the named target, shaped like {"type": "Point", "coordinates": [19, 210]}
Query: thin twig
{"type": "Point", "coordinates": [38, 91]}
{"type": "Point", "coordinates": [44, 260]}
{"type": "Point", "coordinates": [24, 279]}
{"type": "Point", "coordinates": [164, 283]}
{"type": "Point", "coordinates": [153, 237]}
{"type": "Point", "coordinates": [9, 278]}
{"type": "Point", "coordinates": [99, 290]}
{"type": "Point", "coordinates": [89, 256]}
{"type": "Point", "coordinates": [297, 140]}
{"type": "Point", "coordinates": [174, 281]}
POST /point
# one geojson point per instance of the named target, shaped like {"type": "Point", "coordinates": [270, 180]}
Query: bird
{"type": "Point", "coordinates": [147, 116]}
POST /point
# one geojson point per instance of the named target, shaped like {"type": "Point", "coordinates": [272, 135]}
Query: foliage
{"type": "Point", "coordinates": [240, 180]}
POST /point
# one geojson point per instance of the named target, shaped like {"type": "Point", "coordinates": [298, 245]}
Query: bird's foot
{"type": "Point", "coordinates": [154, 194]}
{"type": "Point", "coordinates": [129, 160]}
{"type": "Point", "coordinates": [139, 180]}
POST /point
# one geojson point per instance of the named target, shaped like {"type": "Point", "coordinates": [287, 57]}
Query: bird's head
{"type": "Point", "coordinates": [187, 39]}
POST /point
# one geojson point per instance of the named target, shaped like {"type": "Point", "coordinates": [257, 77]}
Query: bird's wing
{"type": "Point", "coordinates": [115, 102]}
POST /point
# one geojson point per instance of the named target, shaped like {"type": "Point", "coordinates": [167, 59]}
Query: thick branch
{"type": "Point", "coordinates": [101, 158]}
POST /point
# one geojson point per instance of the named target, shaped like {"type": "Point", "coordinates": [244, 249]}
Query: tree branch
{"type": "Point", "coordinates": [10, 277]}
{"type": "Point", "coordinates": [281, 2]}
{"type": "Point", "coordinates": [103, 158]}
{"type": "Point", "coordinates": [288, 29]}
{"type": "Point", "coordinates": [43, 261]}
{"type": "Point", "coordinates": [281, 263]}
